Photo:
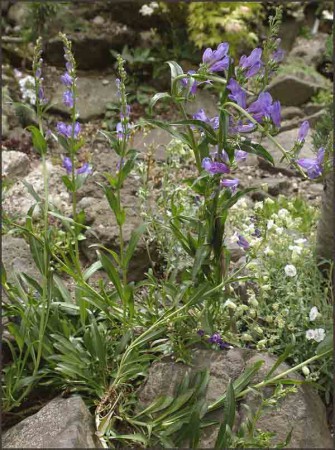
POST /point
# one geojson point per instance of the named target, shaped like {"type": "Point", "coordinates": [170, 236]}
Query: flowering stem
{"type": "Point", "coordinates": [260, 127]}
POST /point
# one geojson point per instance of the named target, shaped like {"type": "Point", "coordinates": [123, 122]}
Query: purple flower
{"type": "Point", "coordinates": [66, 79]}
{"type": "Point", "coordinates": [69, 66]}
{"type": "Point", "coordinates": [264, 108]}
{"type": "Point", "coordinates": [231, 184]}
{"type": "Point", "coordinates": [257, 233]}
{"type": "Point", "coordinates": [68, 99]}
{"type": "Point", "coordinates": [200, 332]}
{"type": "Point", "coordinates": [215, 338]}
{"type": "Point", "coordinates": [66, 130]}
{"type": "Point", "coordinates": [38, 73]}
{"type": "Point", "coordinates": [242, 242]}
{"type": "Point", "coordinates": [85, 169]}
{"type": "Point", "coordinates": [119, 130]}
{"type": "Point", "coordinates": [278, 55]}
{"type": "Point", "coordinates": [214, 167]}
{"type": "Point", "coordinates": [238, 94]}
{"type": "Point", "coordinates": [217, 60]}
{"type": "Point", "coordinates": [275, 113]}
{"type": "Point", "coordinates": [186, 82]}
{"type": "Point", "coordinates": [251, 63]}
{"type": "Point", "coordinates": [224, 345]}
{"type": "Point", "coordinates": [303, 131]}
{"type": "Point", "coordinates": [240, 155]}
{"type": "Point", "coordinates": [41, 96]}
{"type": "Point", "coordinates": [313, 166]}
{"type": "Point", "coordinates": [201, 115]}
{"type": "Point", "coordinates": [67, 164]}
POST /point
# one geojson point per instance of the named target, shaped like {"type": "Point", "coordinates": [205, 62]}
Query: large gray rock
{"type": "Point", "coordinates": [14, 164]}
{"type": "Point", "coordinates": [93, 94]}
{"type": "Point", "coordinates": [303, 410]}
{"type": "Point", "coordinates": [18, 200]}
{"type": "Point", "coordinates": [291, 90]}
{"type": "Point", "coordinates": [310, 51]}
{"type": "Point", "coordinates": [16, 258]}
{"type": "Point", "coordinates": [62, 423]}
{"type": "Point", "coordinates": [17, 13]}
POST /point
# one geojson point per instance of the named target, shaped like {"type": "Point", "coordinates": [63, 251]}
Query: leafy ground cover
{"type": "Point", "coordinates": [100, 340]}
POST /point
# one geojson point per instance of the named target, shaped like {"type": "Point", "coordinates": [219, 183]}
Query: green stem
{"type": "Point", "coordinates": [260, 127]}
{"type": "Point", "coordinates": [191, 135]}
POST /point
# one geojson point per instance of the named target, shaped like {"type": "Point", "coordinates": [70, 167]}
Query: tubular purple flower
{"type": "Point", "coordinates": [224, 345]}
{"type": "Point", "coordinates": [201, 115]}
{"type": "Point", "coordinates": [38, 73]}
{"type": "Point", "coordinates": [119, 130]}
{"type": "Point", "coordinates": [217, 60]}
{"type": "Point", "coordinates": [313, 166]}
{"type": "Point", "coordinates": [278, 55]}
{"type": "Point", "coordinates": [85, 169]}
{"type": "Point", "coordinates": [242, 242]}
{"type": "Point", "coordinates": [275, 113]}
{"type": "Point", "coordinates": [66, 79]}
{"type": "Point", "coordinates": [77, 129]}
{"type": "Point", "coordinates": [68, 99]}
{"type": "Point", "coordinates": [67, 164]}
{"type": "Point", "coordinates": [66, 130]}
{"type": "Point", "coordinates": [230, 184]}
{"type": "Point", "coordinates": [62, 128]}
{"type": "Point", "coordinates": [186, 82]}
{"type": "Point", "coordinates": [240, 155]}
{"type": "Point", "coordinates": [303, 131]}
{"type": "Point", "coordinates": [251, 63]}
{"type": "Point", "coordinates": [238, 94]}
{"type": "Point", "coordinates": [215, 338]}
{"type": "Point", "coordinates": [69, 66]}
{"type": "Point", "coordinates": [214, 167]}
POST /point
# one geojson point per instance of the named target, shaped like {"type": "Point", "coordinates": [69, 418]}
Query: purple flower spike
{"type": "Point", "coordinates": [264, 108]}
{"type": "Point", "coordinates": [67, 164]}
{"type": "Point", "coordinates": [251, 63]}
{"type": "Point", "coordinates": [313, 166]}
{"type": "Point", "coordinates": [303, 131]}
{"type": "Point", "coordinates": [214, 167]}
{"type": "Point", "coordinates": [217, 60]}
{"type": "Point", "coordinates": [242, 242]}
{"type": "Point", "coordinates": [231, 184]}
{"type": "Point", "coordinates": [68, 99]}
{"type": "Point", "coordinates": [119, 130]}
{"type": "Point", "coordinates": [66, 79]}
{"type": "Point", "coordinates": [85, 169]}
{"type": "Point", "coordinates": [238, 94]}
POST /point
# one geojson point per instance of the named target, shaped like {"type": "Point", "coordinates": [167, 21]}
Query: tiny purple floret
{"type": "Point", "coordinates": [237, 94]}
{"type": "Point", "coordinates": [303, 131]}
{"type": "Point", "coordinates": [213, 167]}
{"type": "Point", "coordinates": [242, 242]}
{"type": "Point", "coordinates": [68, 99]}
{"type": "Point", "coordinates": [66, 79]}
{"type": "Point", "coordinates": [313, 166]}
{"type": "Point", "coordinates": [231, 184]}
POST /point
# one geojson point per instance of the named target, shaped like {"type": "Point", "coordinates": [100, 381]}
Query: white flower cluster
{"type": "Point", "coordinates": [317, 335]}
{"type": "Point", "coordinates": [27, 86]}
{"type": "Point", "coordinates": [290, 270]}
{"type": "Point", "coordinates": [148, 10]}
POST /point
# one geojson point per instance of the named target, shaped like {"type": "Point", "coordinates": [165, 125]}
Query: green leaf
{"type": "Point", "coordinates": [64, 143]}
{"type": "Point", "coordinates": [200, 256]}
{"type": "Point", "coordinates": [32, 191]}
{"type": "Point", "coordinates": [68, 183]}
{"type": "Point", "coordinates": [210, 133]}
{"type": "Point", "coordinates": [111, 272]}
{"type": "Point", "coordinates": [281, 359]}
{"type": "Point", "coordinates": [175, 69]}
{"type": "Point", "coordinates": [223, 439]}
{"type": "Point", "coordinates": [252, 147]}
{"type": "Point", "coordinates": [326, 345]}
{"type": "Point", "coordinates": [62, 289]}
{"type": "Point", "coordinates": [167, 127]}
{"type": "Point", "coordinates": [157, 405]}
{"type": "Point", "coordinates": [135, 236]}
{"type": "Point", "coordinates": [156, 98]}
{"type": "Point", "coordinates": [39, 142]}
{"type": "Point", "coordinates": [91, 270]}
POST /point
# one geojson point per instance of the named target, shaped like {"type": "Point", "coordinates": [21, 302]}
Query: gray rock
{"type": "Point", "coordinates": [286, 140]}
{"type": "Point", "coordinates": [18, 200]}
{"type": "Point", "coordinates": [154, 140]}
{"type": "Point", "coordinates": [62, 423]}
{"type": "Point", "coordinates": [273, 185]}
{"type": "Point", "coordinates": [14, 164]}
{"type": "Point", "coordinates": [203, 100]}
{"type": "Point", "coordinates": [291, 90]}
{"type": "Point", "coordinates": [311, 51]}
{"type": "Point", "coordinates": [312, 108]}
{"type": "Point", "coordinates": [17, 13]}
{"type": "Point", "coordinates": [291, 112]}
{"type": "Point", "coordinates": [93, 95]}
{"type": "Point", "coordinates": [303, 410]}
{"type": "Point", "coordinates": [91, 50]}
{"type": "Point", "coordinates": [16, 258]}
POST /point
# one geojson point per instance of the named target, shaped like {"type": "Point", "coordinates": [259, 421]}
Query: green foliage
{"type": "Point", "coordinates": [39, 18]}
{"type": "Point", "coordinates": [211, 23]}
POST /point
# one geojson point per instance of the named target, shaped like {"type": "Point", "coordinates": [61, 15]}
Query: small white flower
{"type": "Point", "coordinates": [305, 370]}
{"type": "Point", "coordinates": [283, 213]}
{"type": "Point", "coordinates": [269, 201]}
{"type": "Point", "coordinates": [310, 334]}
{"type": "Point", "coordinates": [313, 314]}
{"type": "Point", "coordinates": [268, 251]}
{"type": "Point", "coordinates": [279, 230]}
{"type": "Point", "coordinates": [146, 10]}
{"type": "Point", "coordinates": [258, 205]}
{"type": "Point", "coordinates": [295, 249]}
{"type": "Point", "coordinates": [230, 304]}
{"type": "Point", "coordinates": [270, 224]}
{"type": "Point", "coordinates": [319, 334]}
{"type": "Point", "coordinates": [300, 241]}
{"type": "Point", "coordinates": [290, 270]}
